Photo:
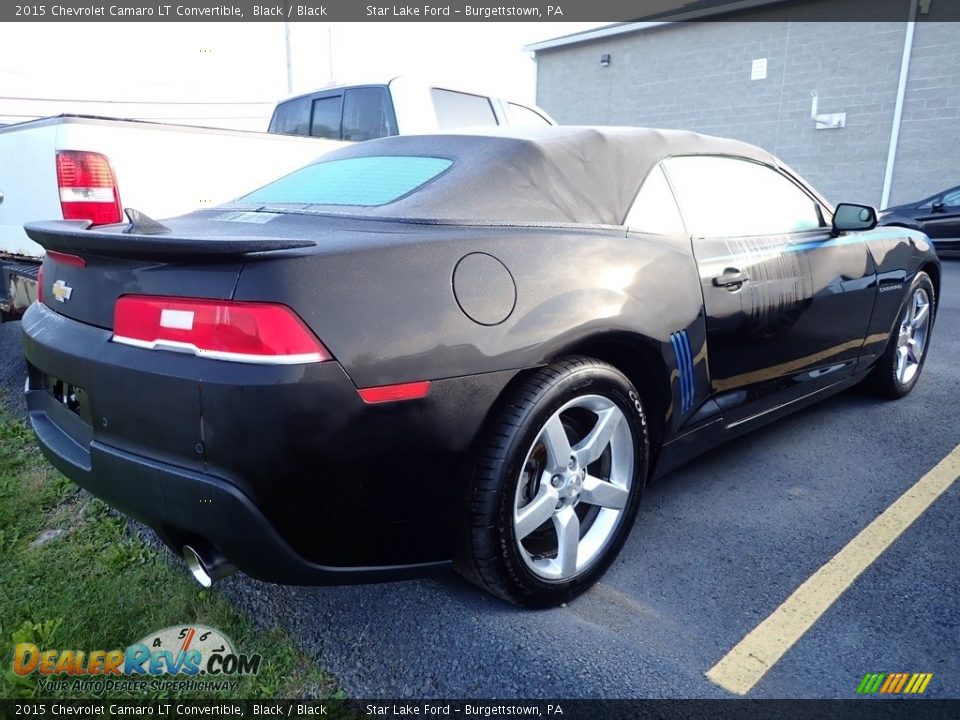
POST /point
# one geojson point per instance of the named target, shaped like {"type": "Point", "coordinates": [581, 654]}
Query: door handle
{"type": "Point", "coordinates": [730, 278]}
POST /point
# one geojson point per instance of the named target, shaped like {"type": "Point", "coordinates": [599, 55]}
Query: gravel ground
{"type": "Point", "coordinates": [13, 373]}
{"type": "Point", "coordinates": [718, 545]}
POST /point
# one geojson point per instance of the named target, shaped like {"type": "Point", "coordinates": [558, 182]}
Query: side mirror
{"type": "Point", "coordinates": [850, 217]}
{"type": "Point", "coordinates": [938, 206]}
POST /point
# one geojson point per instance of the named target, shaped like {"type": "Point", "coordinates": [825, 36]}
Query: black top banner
{"type": "Point", "coordinates": [478, 11]}
{"type": "Point", "coordinates": [490, 709]}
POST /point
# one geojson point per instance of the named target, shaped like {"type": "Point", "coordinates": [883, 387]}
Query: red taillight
{"type": "Point", "coordinates": [219, 329]}
{"type": "Point", "coordinates": [392, 393]}
{"type": "Point", "coordinates": [40, 283]}
{"type": "Point", "coordinates": [88, 187]}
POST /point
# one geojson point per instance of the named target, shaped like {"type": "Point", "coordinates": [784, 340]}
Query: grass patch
{"type": "Point", "coordinates": [74, 577]}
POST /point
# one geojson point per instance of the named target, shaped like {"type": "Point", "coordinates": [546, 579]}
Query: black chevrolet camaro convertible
{"type": "Point", "coordinates": [457, 350]}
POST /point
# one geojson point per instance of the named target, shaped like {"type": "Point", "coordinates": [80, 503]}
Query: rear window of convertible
{"type": "Point", "coordinates": [353, 181]}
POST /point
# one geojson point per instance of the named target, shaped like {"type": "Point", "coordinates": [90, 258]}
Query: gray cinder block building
{"type": "Point", "coordinates": [866, 110]}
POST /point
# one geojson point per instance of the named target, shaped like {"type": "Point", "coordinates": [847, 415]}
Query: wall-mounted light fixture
{"type": "Point", "coordinates": [605, 60]}
{"type": "Point", "coordinates": [825, 121]}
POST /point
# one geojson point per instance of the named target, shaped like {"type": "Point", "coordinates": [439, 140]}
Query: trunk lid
{"type": "Point", "coordinates": [87, 269]}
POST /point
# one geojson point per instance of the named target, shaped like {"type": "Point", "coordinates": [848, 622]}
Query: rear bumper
{"type": "Point", "coordinates": [180, 504]}
{"type": "Point", "coordinates": [282, 469]}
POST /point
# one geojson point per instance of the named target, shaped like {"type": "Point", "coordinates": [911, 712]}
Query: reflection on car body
{"type": "Point", "coordinates": [459, 349]}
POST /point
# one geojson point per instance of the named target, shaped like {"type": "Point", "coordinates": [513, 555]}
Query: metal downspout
{"type": "Point", "coordinates": [898, 108]}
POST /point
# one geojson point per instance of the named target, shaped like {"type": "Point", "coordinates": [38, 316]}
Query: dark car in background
{"type": "Point", "coordinates": [470, 350]}
{"type": "Point", "coordinates": [938, 216]}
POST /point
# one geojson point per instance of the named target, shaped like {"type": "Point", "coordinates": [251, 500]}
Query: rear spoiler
{"type": "Point", "coordinates": [74, 236]}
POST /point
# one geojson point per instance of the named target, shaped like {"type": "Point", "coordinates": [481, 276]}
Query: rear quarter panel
{"type": "Point", "coordinates": [389, 313]}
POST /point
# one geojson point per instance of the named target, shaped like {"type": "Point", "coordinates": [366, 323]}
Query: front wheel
{"type": "Point", "coordinates": [557, 484]}
{"type": "Point", "coordinates": [899, 367]}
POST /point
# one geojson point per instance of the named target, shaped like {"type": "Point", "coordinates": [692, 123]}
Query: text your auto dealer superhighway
{"type": "Point", "coordinates": [85, 11]}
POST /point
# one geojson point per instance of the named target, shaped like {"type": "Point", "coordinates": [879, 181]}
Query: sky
{"type": "Point", "coordinates": [231, 74]}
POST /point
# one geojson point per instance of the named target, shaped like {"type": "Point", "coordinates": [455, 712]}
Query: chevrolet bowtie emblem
{"type": "Point", "coordinates": [62, 291]}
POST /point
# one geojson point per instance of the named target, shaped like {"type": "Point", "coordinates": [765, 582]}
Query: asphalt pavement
{"type": "Point", "coordinates": [718, 546]}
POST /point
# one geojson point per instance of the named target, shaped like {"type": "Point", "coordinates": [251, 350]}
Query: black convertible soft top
{"type": "Point", "coordinates": [587, 175]}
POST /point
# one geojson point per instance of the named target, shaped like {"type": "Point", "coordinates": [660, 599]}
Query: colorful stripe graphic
{"type": "Point", "coordinates": [894, 683]}
{"type": "Point", "coordinates": [684, 354]}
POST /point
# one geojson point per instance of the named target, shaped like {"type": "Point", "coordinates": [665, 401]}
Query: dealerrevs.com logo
{"type": "Point", "coordinates": [180, 652]}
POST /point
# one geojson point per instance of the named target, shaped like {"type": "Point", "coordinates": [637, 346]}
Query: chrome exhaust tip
{"type": "Point", "coordinates": [206, 564]}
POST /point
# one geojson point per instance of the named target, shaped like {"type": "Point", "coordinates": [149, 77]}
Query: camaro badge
{"type": "Point", "coordinates": [62, 291]}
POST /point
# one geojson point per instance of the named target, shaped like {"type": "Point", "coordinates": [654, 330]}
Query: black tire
{"type": "Point", "coordinates": [494, 558]}
{"type": "Point", "coordinates": [884, 380]}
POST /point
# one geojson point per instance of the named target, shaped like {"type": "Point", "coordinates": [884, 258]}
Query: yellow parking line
{"type": "Point", "coordinates": [741, 668]}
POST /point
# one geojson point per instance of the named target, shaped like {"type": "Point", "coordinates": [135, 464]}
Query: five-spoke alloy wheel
{"type": "Point", "coordinates": [557, 483]}
{"type": "Point", "coordinates": [898, 369]}
{"type": "Point", "coordinates": [912, 339]}
{"type": "Point", "coordinates": [574, 487]}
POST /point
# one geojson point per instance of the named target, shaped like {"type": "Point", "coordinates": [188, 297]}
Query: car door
{"type": "Point", "coordinates": [941, 218]}
{"type": "Point", "coordinates": [787, 304]}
